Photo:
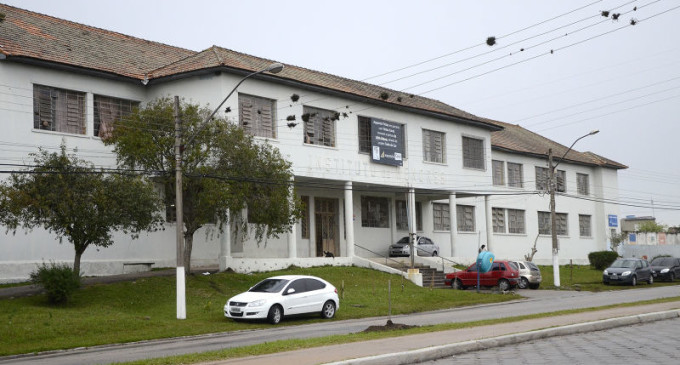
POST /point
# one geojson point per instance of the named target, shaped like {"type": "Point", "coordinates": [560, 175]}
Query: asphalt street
{"type": "Point", "coordinates": [647, 343]}
{"type": "Point", "coordinates": [538, 301]}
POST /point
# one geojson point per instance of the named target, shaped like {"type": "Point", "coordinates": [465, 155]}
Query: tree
{"type": "Point", "coordinates": [651, 227]}
{"type": "Point", "coordinates": [617, 239]}
{"type": "Point", "coordinates": [224, 169]}
{"type": "Point", "coordinates": [70, 198]}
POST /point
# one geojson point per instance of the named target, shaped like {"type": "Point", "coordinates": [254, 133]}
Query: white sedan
{"type": "Point", "coordinates": [284, 295]}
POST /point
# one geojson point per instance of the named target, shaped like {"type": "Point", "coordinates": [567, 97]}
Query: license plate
{"type": "Point", "coordinates": [236, 310]}
{"type": "Point", "coordinates": [654, 274]}
{"type": "Point", "coordinates": [613, 277]}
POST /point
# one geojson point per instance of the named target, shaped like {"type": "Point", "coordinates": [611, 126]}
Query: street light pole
{"type": "Point", "coordinates": [552, 186]}
{"type": "Point", "coordinates": [179, 210]}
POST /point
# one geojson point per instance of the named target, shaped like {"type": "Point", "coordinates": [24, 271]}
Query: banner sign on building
{"type": "Point", "coordinates": [387, 142]}
{"type": "Point", "coordinates": [613, 220]}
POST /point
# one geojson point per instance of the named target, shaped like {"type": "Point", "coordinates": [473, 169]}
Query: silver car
{"type": "Point", "coordinates": [529, 275]}
{"type": "Point", "coordinates": [424, 245]}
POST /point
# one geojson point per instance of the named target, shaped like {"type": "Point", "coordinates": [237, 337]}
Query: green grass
{"type": "Point", "coordinates": [584, 277]}
{"type": "Point", "coordinates": [296, 344]}
{"type": "Point", "coordinates": [146, 308]}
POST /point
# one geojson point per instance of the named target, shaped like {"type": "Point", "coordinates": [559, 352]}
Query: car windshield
{"type": "Point", "coordinates": [403, 240]}
{"type": "Point", "coordinates": [269, 286]}
{"type": "Point", "coordinates": [662, 261]}
{"type": "Point", "coordinates": [532, 265]}
{"type": "Point", "coordinates": [625, 264]}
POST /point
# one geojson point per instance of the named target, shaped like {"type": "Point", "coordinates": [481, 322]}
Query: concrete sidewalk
{"type": "Point", "coordinates": [414, 348]}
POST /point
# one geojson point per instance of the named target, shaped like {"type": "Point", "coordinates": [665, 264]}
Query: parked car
{"type": "Point", "coordinates": [424, 245]}
{"type": "Point", "coordinates": [502, 273]}
{"type": "Point", "coordinates": [628, 271]}
{"type": "Point", "coordinates": [285, 295]}
{"type": "Point", "coordinates": [529, 275]}
{"type": "Point", "coordinates": [665, 268]}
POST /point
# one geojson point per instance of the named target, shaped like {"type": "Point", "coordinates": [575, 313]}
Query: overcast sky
{"type": "Point", "coordinates": [558, 68]}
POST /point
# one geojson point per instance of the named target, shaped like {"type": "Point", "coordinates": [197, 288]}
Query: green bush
{"type": "Point", "coordinates": [58, 280]}
{"type": "Point", "coordinates": [601, 260]}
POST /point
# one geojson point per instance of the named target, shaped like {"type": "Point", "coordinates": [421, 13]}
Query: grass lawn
{"type": "Point", "coordinates": [583, 277]}
{"type": "Point", "coordinates": [146, 308]}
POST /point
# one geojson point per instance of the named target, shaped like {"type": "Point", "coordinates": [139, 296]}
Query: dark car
{"type": "Point", "coordinates": [665, 268]}
{"type": "Point", "coordinates": [424, 245]}
{"type": "Point", "coordinates": [502, 273]}
{"type": "Point", "coordinates": [628, 271]}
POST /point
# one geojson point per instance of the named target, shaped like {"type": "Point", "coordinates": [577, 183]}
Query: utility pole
{"type": "Point", "coordinates": [552, 185]}
{"type": "Point", "coordinates": [179, 217]}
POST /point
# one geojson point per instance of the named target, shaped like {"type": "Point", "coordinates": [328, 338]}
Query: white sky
{"type": "Point", "coordinates": [603, 74]}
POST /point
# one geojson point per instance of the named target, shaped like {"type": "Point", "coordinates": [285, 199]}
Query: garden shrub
{"type": "Point", "coordinates": [601, 260]}
{"type": "Point", "coordinates": [58, 280]}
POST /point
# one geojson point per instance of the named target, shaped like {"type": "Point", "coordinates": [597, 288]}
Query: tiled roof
{"type": "Point", "coordinates": [42, 37]}
{"type": "Point", "coordinates": [29, 35]}
{"type": "Point", "coordinates": [517, 139]}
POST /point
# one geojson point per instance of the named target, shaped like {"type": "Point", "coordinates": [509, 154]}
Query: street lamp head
{"type": "Point", "coordinates": [274, 68]}
{"type": "Point", "coordinates": [594, 131]}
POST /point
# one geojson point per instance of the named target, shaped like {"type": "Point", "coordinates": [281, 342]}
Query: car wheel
{"type": "Point", "coordinates": [275, 314]}
{"type": "Point", "coordinates": [523, 283]}
{"type": "Point", "coordinates": [534, 286]}
{"type": "Point", "coordinates": [503, 285]}
{"type": "Point", "coordinates": [434, 254]}
{"type": "Point", "coordinates": [328, 310]}
{"type": "Point", "coordinates": [457, 285]}
{"type": "Point", "coordinates": [633, 280]}
{"type": "Point", "coordinates": [651, 280]}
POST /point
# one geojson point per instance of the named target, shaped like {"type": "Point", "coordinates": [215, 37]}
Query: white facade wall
{"type": "Point", "coordinates": [336, 165]}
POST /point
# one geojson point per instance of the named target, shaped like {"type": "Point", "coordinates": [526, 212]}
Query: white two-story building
{"type": "Point", "coordinates": [360, 154]}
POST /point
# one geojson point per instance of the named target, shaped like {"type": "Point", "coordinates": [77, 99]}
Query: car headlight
{"type": "Point", "coordinates": [605, 272]}
{"type": "Point", "coordinates": [625, 273]}
{"type": "Point", "coordinates": [665, 270]}
{"type": "Point", "coordinates": [257, 303]}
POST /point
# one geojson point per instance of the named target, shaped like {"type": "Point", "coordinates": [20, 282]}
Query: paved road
{"type": "Point", "coordinates": [648, 343]}
{"type": "Point", "coordinates": [539, 301]}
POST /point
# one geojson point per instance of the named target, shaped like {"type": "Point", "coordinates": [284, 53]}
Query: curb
{"type": "Point", "coordinates": [439, 352]}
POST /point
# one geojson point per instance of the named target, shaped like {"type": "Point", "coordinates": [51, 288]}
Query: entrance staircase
{"type": "Point", "coordinates": [432, 278]}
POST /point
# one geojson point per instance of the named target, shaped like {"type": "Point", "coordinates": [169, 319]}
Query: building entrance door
{"type": "Point", "coordinates": [326, 218]}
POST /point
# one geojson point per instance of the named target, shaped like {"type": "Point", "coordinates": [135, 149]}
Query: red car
{"type": "Point", "coordinates": [502, 273]}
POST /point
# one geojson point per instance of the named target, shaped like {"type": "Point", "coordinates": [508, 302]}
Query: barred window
{"type": "Point", "coordinates": [542, 178]}
{"type": "Point", "coordinates": [257, 116]}
{"type": "Point", "coordinates": [465, 218]}
{"type": "Point", "coordinates": [498, 220]}
{"type": "Point", "coordinates": [561, 177]}
{"type": "Point", "coordinates": [582, 184]}
{"type": "Point", "coordinates": [108, 111]}
{"type": "Point", "coordinates": [498, 172]}
{"type": "Point", "coordinates": [434, 146]}
{"type": "Point", "coordinates": [304, 221]}
{"type": "Point", "coordinates": [516, 223]}
{"type": "Point", "coordinates": [375, 212]}
{"type": "Point", "coordinates": [473, 153]}
{"type": "Point", "coordinates": [365, 136]}
{"type": "Point", "coordinates": [402, 216]}
{"type": "Point", "coordinates": [319, 126]}
{"type": "Point", "coordinates": [544, 225]}
{"type": "Point", "coordinates": [515, 176]}
{"type": "Point", "coordinates": [58, 110]}
{"type": "Point", "coordinates": [442, 218]}
{"type": "Point", "coordinates": [584, 226]}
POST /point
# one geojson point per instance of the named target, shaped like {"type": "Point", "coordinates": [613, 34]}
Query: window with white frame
{"type": "Point", "coordinates": [544, 225]}
{"type": "Point", "coordinates": [498, 172]}
{"type": "Point", "coordinates": [473, 153]}
{"type": "Point", "coordinates": [109, 110]}
{"type": "Point", "coordinates": [257, 115]}
{"type": "Point", "coordinates": [465, 218]}
{"type": "Point", "coordinates": [542, 178]}
{"type": "Point", "coordinates": [508, 221]}
{"type": "Point", "coordinates": [441, 217]}
{"type": "Point", "coordinates": [319, 126]}
{"type": "Point", "coordinates": [498, 220]}
{"type": "Point", "coordinates": [515, 175]}
{"type": "Point", "coordinates": [365, 145]}
{"type": "Point", "coordinates": [582, 185]}
{"type": "Point", "coordinates": [561, 177]}
{"type": "Point", "coordinates": [375, 212]}
{"type": "Point", "coordinates": [584, 226]}
{"type": "Point", "coordinates": [402, 216]}
{"type": "Point", "coordinates": [58, 110]}
{"type": "Point", "coordinates": [434, 146]}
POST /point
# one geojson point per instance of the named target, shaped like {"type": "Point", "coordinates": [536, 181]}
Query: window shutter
{"type": "Point", "coordinates": [246, 114]}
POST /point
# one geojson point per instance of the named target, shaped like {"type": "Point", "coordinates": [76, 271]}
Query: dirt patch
{"type": "Point", "coordinates": [389, 326]}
